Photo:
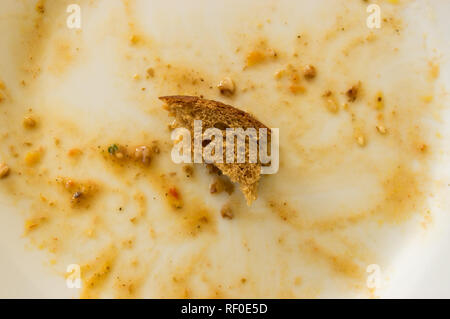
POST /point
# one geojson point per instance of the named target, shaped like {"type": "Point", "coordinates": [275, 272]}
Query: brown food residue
{"type": "Point", "coordinates": [103, 194]}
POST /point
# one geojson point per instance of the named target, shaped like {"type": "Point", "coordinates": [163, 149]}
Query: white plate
{"type": "Point", "coordinates": [91, 80]}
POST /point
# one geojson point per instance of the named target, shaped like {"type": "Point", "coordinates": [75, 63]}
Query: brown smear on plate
{"type": "Point", "coordinates": [150, 231]}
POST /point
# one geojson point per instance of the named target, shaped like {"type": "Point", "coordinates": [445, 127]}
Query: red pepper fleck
{"type": "Point", "coordinates": [174, 193]}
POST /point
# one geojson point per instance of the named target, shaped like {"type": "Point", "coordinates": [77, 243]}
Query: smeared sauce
{"type": "Point", "coordinates": [354, 162]}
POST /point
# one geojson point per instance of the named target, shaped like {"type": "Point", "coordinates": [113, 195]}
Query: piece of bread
{"type": "Point", "coordinates": [186, 109]}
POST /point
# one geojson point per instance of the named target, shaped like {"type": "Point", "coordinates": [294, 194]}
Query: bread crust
{"type": "Point", "coordinates": [245, 119]}
{"type": "Point", "coordinates": [186, 109]}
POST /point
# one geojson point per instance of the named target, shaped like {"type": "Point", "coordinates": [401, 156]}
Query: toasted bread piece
{"type": "Point", "coordinates": [186, 109]}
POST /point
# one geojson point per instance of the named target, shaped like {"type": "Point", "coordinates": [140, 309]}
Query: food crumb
{"type": "Point", "coordinates": [213, 170]}
{"type": "Point", "coordinates": [379, 100]}
{"type": "Point", "coordinates": [119, 155]}
{"type": "Point", "coordinates": [227, 86]}
{"type": "Point", "coordinates": [81, 191]}
{"type": "Point", "coordinates": [221, 184]}
{"type": "Point", "coordinates": [33, 157]}
{"type": "Point", "coordinates": [155, 148]}
{"type": "Point", "coordinates": [352, 93]}
{"type": "Point", "coordinates": [213, 188]}
{"type": "Point", "coordinates": [226, 212]}
{"type": "Point", "coordinates": [134, 39]}
{"type": "Point", "coordinates": [150, 73]}
{"type": "Point", "coordinates": [279, 74]}
{"type": "Point", "coordinates": [361, 140]}
{"type": "Point", "coordinates": [29, 122]}
{"type": "Point", "coordinates": [381, 129]}
{"type": "Point", "coordinates": [309, 72]}
{"type": "Point", "coordinates": [76, 196]}
{"type": "Point", "coordinates": [189, 170]}
{"type": "Point", "coordinates": [331, 102]}
{"type": "Point", "coordinates": [4, 170]}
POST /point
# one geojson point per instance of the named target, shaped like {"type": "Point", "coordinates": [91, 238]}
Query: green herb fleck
{"type": "Point", "coordinates": [113, 149]}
